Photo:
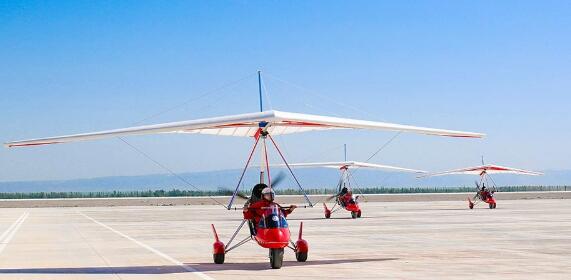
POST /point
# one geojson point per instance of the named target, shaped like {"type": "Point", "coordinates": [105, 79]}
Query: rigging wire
{"type": "Point", "coordinates": [494, 182]}
{"type": "Point", "coordinates": [203, 95]}
{"type": "Point", "coordinates": [168, 170]}
{"type": "Point", "coordinates": [266, 94]}
{"type": "Point", "coordinates": [319, 95]}
{"type": "Point", "coordinates": [384, 146]}
{"type": "Point", "coordinates": [377, 152]}
{"type": "Point", "coordinates": [356, 184]}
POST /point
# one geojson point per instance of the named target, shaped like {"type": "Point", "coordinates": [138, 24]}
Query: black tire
{"type": "Point", "coordinates": [491, 206]}
{"type": "Point", "coordinates": [327, 215]}
{"type": "Point", "coordinates": [471, 205]}
{"type": "Point", "coordinates": [495, 205]}
{"type": "Point", "coordinates": [276, 258]}
{"type": "Point", "coordinates": [301, 256]}
{"type": "Point", "coordinates": [353, 215]}
{"type": "Point", "coordinates": [218, 258]}
{"type": "Point", "coordinates": [359, 214]}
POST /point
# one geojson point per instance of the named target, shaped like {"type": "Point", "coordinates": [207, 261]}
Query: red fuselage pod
{"type": "Point", "coordinates": [353, 207]}
{"type": "Point", "coordinates": [349, 203]}
{"type": "Point", "coordinates": [272, 231]}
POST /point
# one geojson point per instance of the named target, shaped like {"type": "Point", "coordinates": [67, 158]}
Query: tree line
{"type": "Point", "coordinates": [225, 192]}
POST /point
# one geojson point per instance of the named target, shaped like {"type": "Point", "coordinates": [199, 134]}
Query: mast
{"type": "Point", "coordinates": [263, 154]}
{"type": "Point", "coordinates": [260, 90]}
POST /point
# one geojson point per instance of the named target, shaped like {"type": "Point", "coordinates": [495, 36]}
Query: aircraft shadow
{"type": "Point", "coordinates": [450, 209]}
{"type": "Point", "coordinates": [205, 267]}
{"type": "Point", "coordinates": [169, 269]}
{"type": "Point", "coordinates": [332, 218]}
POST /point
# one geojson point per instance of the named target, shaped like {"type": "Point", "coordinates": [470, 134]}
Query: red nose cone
{"type": "Point", "coordinates": [273, 237]}
{"type": "Point", "coordinates": [352, 207]}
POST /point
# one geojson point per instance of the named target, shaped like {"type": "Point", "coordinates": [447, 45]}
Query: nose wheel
{"type": "Point", "coordinates": [276, 257]}
{"type": "Point", "coordinates": [356, 214]}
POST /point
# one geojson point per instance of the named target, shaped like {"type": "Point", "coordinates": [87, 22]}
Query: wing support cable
{"type": "Point", "coordinates": [169, 170]}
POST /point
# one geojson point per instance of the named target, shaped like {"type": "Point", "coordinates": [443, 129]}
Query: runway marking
{"type": "Point", "coordinates": [155, 251]}
{"type": "Point", "coordinates": [7, 236]}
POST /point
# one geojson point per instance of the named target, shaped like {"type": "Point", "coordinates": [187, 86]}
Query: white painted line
{"type": "Point", "coordinates": [157, 252]}
{"type": "Point", "coordinates": [11, 227]}
{"type": "Point", "coordinates": [7, 236]}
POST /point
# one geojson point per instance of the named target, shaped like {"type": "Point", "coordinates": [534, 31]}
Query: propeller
{"type": "Point", "coordinates": [276, 181]}
{"type": "Point", "coordinates": [329, 198]}
{"type": "Point", "coordinates": [477, 185]}
{"type": "Point", "coordinates": [242, 195]}
{"type": "Point", "coordinates": [238, 194]}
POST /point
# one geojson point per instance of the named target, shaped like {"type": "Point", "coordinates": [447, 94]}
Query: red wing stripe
{"type": "Point", "coordinates": [33, 144]}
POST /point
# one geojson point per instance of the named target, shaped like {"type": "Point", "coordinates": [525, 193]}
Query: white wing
{"type": "Point", "coordinates": [351, 164]}
{"type": "Point", "coordinates": [489, 169]}
{"type": "Point", "coordinates": [274, 122]}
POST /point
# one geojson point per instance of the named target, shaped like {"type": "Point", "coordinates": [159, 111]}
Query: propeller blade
{"type": "Point", "coordinates": [276, 180]}
{"type": "Point", "coordinates": [330, 198]}
{"type": "Point", "coordinates": [242, 195]}
{"type": "Point", "coordinates": [238, 194]}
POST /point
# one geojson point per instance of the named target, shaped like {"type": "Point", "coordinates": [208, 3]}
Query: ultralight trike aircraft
{"type": "Point", "coordinates": [272, 230]}
{"type": "Point", "coordinates": [486, 187]}
{"type": "Point", "coordinates": [344, 198]}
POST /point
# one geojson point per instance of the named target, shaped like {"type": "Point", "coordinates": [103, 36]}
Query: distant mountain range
{"type": "Point", "coordinates": [309, 178]}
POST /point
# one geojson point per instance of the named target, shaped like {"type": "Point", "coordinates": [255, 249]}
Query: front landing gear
{"type": "Point", "coordinates": [276, 257]}
{"type": "Point", "coordinates": [356, 214]}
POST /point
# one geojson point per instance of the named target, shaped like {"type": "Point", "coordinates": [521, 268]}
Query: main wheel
{"type": "Point", "coordinates": [218, 258]}
{"type": "Point", "coordinates": [471, 205]}
{"type": "Point", "coordinates": [491, 205]}
{"type": "Point", "coordinates": [495, 205]}
{"type": "Point", "coordinates": [359, 214]}
{"type": "Point", "coordinates": [353, 214]}
{"type": "Point", "coordinates": [301, 256]}
{"type": "Point", "coordinates": [276, 257]}
{"type": "Point", "coordinates": [328, 214]}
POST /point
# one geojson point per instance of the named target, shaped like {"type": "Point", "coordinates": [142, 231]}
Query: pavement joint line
{"type": "Point", "coordinates": [7, 236]}
{"type": "Point", "coordinates": [153, 250]}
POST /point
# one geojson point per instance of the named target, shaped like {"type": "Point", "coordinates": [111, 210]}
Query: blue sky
{"type": "Point", "coordinates": [499, 67]}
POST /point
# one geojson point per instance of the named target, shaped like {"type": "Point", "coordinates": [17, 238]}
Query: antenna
{"type": "Point", "coordinates": [483, 160]}
{"type": "Point", "coordinates": [260, 89]}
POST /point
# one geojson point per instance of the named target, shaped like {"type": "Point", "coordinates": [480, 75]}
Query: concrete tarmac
{"type": "Point", "coordinates": [521, 239]}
